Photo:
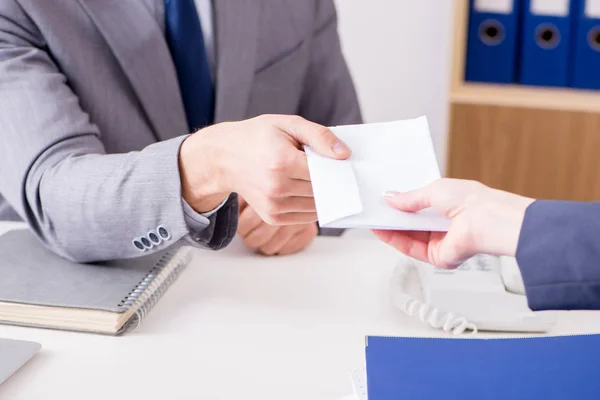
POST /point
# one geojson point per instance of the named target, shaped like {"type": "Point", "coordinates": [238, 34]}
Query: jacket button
{"type": "Point", "coordinates": [154, 238]}
{"type": "Point", "coordinates": [164, 232]}
{"type": "Point", "coordinates": [146, 242]}
{"type": "Point", "coordinates": [139, 245]}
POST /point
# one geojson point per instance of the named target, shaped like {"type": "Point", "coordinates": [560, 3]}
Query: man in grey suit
{"type": "Point", "coordinates": [556, 243]}
{"type": "Point", "coordinates": [98, 97]}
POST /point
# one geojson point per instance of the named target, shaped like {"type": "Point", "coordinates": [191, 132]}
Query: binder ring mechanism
{"type": "Point", "coordinates": [594, 38]}
{"type": "Point", "coordinates": [547, 36]}
{"type": "Point", "coordinates": [491, 32]}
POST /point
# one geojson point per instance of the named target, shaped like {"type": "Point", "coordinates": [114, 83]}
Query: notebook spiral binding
{"type": "Point", "coordinates": [146, 294]}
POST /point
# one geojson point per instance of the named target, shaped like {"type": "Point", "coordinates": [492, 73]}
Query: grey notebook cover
{"type": "Point", "coordinates": [31, 274]}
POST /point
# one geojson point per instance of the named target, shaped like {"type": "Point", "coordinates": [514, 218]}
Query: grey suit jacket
{"type": "Point", "coordinates": [91, 117]}
{"type": "Point", "coordinates": [559, 255]}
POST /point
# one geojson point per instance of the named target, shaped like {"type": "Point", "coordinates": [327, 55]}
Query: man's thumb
{"type": "Point", "coordinates": [320, 138]}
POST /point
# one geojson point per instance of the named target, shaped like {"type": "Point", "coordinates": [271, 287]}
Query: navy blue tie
{"type": "Point", "coordinates": [186, 42]}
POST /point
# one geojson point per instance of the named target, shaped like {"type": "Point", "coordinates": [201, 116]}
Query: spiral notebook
{"type": "Point", "coordinates": [40, 289]}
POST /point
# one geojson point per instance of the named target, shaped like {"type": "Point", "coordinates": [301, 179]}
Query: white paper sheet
{"type": "Point", "coordinates": [396, 156]}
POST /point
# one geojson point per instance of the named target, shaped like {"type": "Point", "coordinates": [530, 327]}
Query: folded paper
{"type": "Point", "coordinates": [395, 156]}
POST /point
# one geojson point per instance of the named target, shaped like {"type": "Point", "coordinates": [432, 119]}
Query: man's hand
{"type": "Point", "coordinates": [272, 240]}
{"type": "Point", "coordinates": [262, 160]}
{"type": "Point", "coordinates": [484, 220]}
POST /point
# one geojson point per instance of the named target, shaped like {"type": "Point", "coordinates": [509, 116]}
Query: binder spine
{"type": "Point", "coordinates": [492, 41]}
{"type": "Point", "coordinates": [146, 294]}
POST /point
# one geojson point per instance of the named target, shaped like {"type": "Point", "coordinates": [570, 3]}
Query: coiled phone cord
{"type": "Point", "coordinates": [432, 316]}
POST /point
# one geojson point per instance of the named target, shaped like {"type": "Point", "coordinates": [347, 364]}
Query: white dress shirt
{"type": "Point", "coordinates": [205, 12]}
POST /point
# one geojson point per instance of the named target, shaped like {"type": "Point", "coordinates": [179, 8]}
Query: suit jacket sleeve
{"type": "Point", "coordinates": [330, 96]}
{"type": "Point", "coordinates": [559, 255]}
{"type": "Point", "coordinates": [82, 203]}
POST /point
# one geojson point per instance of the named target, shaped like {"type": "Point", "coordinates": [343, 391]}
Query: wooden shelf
{"type": "Point", "coordinates": [535, 141]}
{"type": "Point", "coordinates": [544, 154]}
{"type": "Point", "coordinates": [563, 99]}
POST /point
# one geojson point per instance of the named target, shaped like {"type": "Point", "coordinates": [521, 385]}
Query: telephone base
{"type": "Point", "coordinates": [471, 298]}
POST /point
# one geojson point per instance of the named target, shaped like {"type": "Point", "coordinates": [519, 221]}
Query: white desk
{"type": "Point", "coordinates": [237, 326]}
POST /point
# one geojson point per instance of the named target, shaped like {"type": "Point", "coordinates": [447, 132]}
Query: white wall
{"type": "Point", "coordinates": [399, 52]}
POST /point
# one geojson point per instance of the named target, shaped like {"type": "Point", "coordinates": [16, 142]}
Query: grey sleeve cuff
{"type": "Point", "coordinates": [216, 231]}
{"type": "Point", "coordinates": [199, 222]}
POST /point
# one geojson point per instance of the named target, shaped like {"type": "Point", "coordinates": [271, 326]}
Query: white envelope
{"type": "Point", "coordinates": [395, 156]}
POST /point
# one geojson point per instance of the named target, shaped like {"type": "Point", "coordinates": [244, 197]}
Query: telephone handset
{"type": "Point", "coordinates": [485, 293]}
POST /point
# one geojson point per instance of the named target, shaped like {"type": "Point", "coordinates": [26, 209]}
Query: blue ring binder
{"type": "Point", "coordinates": [547, 36]}
{"type": "Point", "coordinates": [586, 46]}
{"type": "Point", "coordinates": [492, 44]}
{"type": "Point", "coordinates": [492, 32]}
{"type": "Point", "coordinates": [594, 38]}
{"type": "Point", "coordinates": [545, 45]}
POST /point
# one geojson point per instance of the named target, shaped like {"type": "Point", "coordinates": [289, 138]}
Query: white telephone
{"type": "Point", "coordinates": [485, 293]}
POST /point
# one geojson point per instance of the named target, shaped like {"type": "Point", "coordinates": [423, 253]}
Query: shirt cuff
{"type": "Point", "coordinates": [208, 214]}
{"type": "Point", "coordinates": [197, 222]}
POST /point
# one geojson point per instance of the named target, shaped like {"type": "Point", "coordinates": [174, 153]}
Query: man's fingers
{"type": "Point", "coordinates": [299, 241]}
{"type": "Point", "coordinates": [316, 136]}
{"type": "Point", "coordinates": [295, 245]}
{"type": "Point", "coordinates": [302, 188]}
{"type": "Point", "coordinates": [243, 204]}
{"type": "Point", "coordinates": [295, 188]}
{"type": "Point", "coordinates": [249, 220]}
{"type": "Point", "coordinates": [278, 241]}
{"type": "Point", "coordinates": [291, 218]}
{"type": "Point", "coordinates": [413, 201]}
{"type": "Point", "coordinates": [413, 244]}
{"type": "Point", "coordinates": [294, 205]}
{"type": "Point", "coordinates": [261, 236]}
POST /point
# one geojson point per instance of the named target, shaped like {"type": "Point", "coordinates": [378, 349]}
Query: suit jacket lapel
{"type": "Point", "coordinates": [236, 35]}
{"type": "Point", "coordinates": [131, 30]}
{"type": "Point", "coordinates": [157, 8]}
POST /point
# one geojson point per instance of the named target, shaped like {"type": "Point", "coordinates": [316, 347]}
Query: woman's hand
{"type": "Point", "coordinates": [483, 220]}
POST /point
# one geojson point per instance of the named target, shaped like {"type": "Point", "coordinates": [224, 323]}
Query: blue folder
{"type": "Point", "coordinates": [547, 368]}
{"type": "Point", "coordinates": [492, 45]}
{"type": "Point", "coordinates": [545, 47]}
{"type": "Point", "coordinates": [585, 72]}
